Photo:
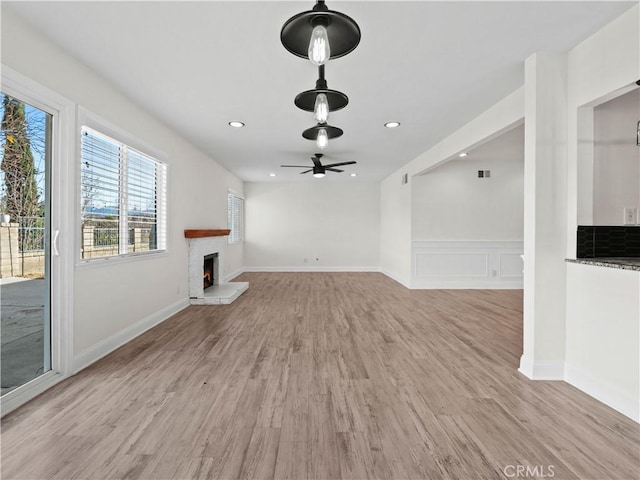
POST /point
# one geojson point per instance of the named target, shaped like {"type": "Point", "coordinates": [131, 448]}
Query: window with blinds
{"type": "Point", "coordinates": [123, 198]}
{"type": "Point", "coordinates": [235, 218]}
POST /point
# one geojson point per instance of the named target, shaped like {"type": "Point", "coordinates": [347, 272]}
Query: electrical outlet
{"type": "Point", "coordinates": [630, 215]}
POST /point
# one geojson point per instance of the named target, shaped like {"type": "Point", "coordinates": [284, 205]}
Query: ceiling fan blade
{"type": "Point", "coordinates": [306, 171]}
{"type": "Point", "coordinates": [333, 169]}
{"type": "Point", "coordinates": [296, 166]}
{"type": "Point", "coordinates": [316, 159]}
{"type": "Point", "coordinates": [339, 164]}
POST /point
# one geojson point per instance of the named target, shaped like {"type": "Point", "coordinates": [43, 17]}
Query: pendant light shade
{"type": "Point", "coordinates": [339, 34]}
{"type": "Point", "coordinates": [312, 133]}
{"type": "Point", "coordinates": [307, 99]}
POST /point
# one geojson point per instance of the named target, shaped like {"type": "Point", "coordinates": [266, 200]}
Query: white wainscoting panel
{"type": "Point", "coordinates": [452, 265]}
{"type": "Point", "coordinates": [511, 265]}
{"type": "Point", "coordinates": [460, 264]}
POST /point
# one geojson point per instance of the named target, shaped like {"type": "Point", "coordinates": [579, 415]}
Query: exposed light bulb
{"type": "Point", "coordinates": [319, 51]}
{"type": "Point", "coordinates": [323, 138]}
{"type": "Point", "coordinates": [321, 108]}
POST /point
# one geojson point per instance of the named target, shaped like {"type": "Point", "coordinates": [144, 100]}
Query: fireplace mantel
{"type": "Point", "coordinates": [202, 233]}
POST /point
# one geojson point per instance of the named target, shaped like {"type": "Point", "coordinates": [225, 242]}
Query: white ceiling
{"type": "Point", "coordinates": [198, 65]}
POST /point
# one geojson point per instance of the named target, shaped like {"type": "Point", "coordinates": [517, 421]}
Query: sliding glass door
{"type": "Point", "coordinates": [25, 242]}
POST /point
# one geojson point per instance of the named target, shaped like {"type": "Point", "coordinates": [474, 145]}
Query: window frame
{"type": "Point", "coordinates": [107, 129]}
{"type": "Point", "coordinates": [231, 239]}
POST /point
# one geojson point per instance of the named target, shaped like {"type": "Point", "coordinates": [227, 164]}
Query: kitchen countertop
{"type": "Point", "coordinates": [624, 263]}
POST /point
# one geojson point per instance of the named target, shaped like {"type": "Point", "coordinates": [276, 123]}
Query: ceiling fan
{"type": "Point", "coordinates": [318, 169]}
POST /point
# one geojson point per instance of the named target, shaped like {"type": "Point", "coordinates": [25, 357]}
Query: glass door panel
{"type": "Point", "coordinates": [25, 330]}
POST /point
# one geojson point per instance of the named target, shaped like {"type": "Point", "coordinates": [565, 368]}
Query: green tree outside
{"type": "Point", "coordinates": [21, 196]}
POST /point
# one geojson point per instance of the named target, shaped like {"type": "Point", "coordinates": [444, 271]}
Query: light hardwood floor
{"type": "Point", "coordinates": [322, 376]}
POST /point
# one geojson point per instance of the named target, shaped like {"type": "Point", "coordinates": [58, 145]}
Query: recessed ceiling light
{"type": "Point", "coordinates": [463, 154]}
{"type": "Point", "coordinates": [273, 174]}
{"type": "Point", "coordinates": [353, 174]}
{"type": "Point", "coordinates": [392, 124]}
{"type": "Point", "coordinates": [236, 124]}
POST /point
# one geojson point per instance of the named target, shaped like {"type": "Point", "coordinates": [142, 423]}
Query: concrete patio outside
{"type": "Point", "coordinates": [22, 310]}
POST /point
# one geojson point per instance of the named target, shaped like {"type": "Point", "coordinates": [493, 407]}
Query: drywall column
{"type": "Point", "coordinates": [395, 233]}
{"type": "Point", "coordinates": [545, 184]}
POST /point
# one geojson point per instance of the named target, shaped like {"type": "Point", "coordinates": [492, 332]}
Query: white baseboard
{"type": "Point", "coordinates": [603, 391]}
{"type": "Point", "coordinates": [108, 345]}
{"type": "Point", "coordinates": [310, 269]}
{"type": "Point", "coordinates": [541, 370]}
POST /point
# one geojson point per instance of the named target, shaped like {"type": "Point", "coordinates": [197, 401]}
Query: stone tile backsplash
{"type": "Point", "coordinates": [608, 241]}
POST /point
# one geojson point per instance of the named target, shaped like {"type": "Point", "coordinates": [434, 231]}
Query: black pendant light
{"type": "Point", "coordinates": [307, 99]}
{"type": "Point", "coordinates": [328, 33]}
{"type": "Point", "coordinates": [321, 133]}
{"type": "Point", "coordinates": [320, 34]}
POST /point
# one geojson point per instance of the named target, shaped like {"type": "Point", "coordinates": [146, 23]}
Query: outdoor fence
{"type": "Point", "coordinates": [100, 239]}
{"type": "Point", "coordinates": [22, 243]}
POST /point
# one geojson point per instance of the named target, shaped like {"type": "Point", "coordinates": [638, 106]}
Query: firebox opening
{"type": "Point", "coordinates": [210, 269]}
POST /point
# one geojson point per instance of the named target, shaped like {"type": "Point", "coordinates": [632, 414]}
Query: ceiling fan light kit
{"type": "Point", "coordinates": [320, 34]}
{"type": "Point", "coordinates": [318, 172]}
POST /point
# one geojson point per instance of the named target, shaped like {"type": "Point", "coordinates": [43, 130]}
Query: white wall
{"type": "Point", "coordinates": [396, 209]}
{"type": "Point", "coordinates": [114, 301]}
{"type": "Point", "coordinates": [451, 203]}
{"type": "Point", "coordinates": [467, 231]}
{"type": "Point", "coordinates": [336, 222]}
{"type": "Point", "coordinates": [603, 351]}
{"type": "Point", "coordinates": [395, 221]}
{"type": "Point", "coordinates": [604, 64]}
{"type": "Point", "coordinates": [616, 177]}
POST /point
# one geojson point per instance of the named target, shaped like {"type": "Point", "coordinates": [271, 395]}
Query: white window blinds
{"type": "Point", "coordinates": [123, 198]}
{"type": "Point", "coordinates": [235, 218]}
